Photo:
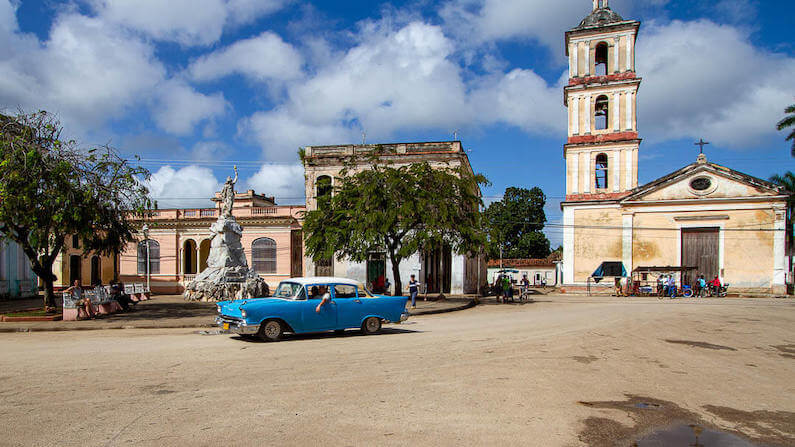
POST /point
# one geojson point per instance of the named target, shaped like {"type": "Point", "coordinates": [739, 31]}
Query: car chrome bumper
{"type": "Point", "coordinates": [236, 326]}
{"type": "Point", "coordinates": [404, 316]}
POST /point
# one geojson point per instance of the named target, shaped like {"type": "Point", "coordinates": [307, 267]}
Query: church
{"type": "Point", "coordinates": [706, 217]}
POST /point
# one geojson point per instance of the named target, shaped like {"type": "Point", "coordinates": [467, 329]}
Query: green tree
{"type": "Point", "coordinates": [50, 190]}
{"type": "Point", "coordinates": [515, 223]}
{"type": "Point", "coordinates": [787, 181]}
{"type": "Point", "coordinates": [789, 121]}
{"type": "Point", "coordinates": [397, 209]}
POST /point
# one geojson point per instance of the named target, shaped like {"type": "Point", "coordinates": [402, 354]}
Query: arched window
{"type": "Point", "coordinates": [601, 171]}
{"type": "Point", "coordinates": [601, 113]}
{"type": "Point", "coordinates": [263, 255]}
{"type": "Point", "coordinates": [600, 59]}
{"type": "Point", "coordinates": [154, 257]}
{"type": "Point", "coordinates": [323, 189]}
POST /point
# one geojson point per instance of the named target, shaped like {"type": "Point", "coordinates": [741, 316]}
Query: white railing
{"type": "Point", "coordinates": [207, 213]}
{"type": "Point", "coordinates": [188, 277]}
{"type": "Point", "coordinates": [260, 211]}
{"type": "Point", "coordinates": [190, 213]}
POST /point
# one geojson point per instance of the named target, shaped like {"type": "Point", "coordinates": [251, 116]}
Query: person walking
{"type": "Point", "coordinates": [506, 287]}
{"type": "Point", "coordinates": [414, 289]}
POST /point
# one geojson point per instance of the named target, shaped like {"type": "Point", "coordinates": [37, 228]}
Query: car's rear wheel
{"type": "Point", "coordinates": [372, 325]}
{"type": "Point", "coordinates": [271, 330]}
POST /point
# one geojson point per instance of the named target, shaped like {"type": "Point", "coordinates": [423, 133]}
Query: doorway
{"type": "Point", "coordinates": [436, 269]}
{"type": "Point", "coordinates": [296, 253]}
{"type": "Point", "coordinates": [74, 269]}
{"type": "Point", "coordinates": [324, 267]}
{"type": "Point", "coordinates": [376, 272]}
{"type": "Point", "coordinates": [204, 253]}
{"type": "Point", "coordinates": [189, 257]}
{"type": "Point", "coordinates": [700, 249]}
{"type": "Point", "coordinates": [96, 271]}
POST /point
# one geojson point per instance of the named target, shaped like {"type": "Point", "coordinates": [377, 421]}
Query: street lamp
{"type": "Point", "coordinates": [146, 240]}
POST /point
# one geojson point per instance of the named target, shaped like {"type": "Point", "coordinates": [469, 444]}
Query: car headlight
{"type": "Point", "coordinates": [218, 307]}
{"type": "Point", "coordinates": [243, 313]}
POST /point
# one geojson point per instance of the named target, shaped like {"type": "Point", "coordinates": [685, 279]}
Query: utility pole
{"type": "Point", "coordinates": [146, 239]}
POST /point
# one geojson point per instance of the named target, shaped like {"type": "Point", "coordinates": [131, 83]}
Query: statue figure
{"type": "Point", "coordinates": [228, 195]}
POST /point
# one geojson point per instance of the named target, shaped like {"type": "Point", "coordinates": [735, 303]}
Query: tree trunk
{"type": "Point", "coordinates": [43, 269]}
{"type": "Point", "coordinates": [396, 274]}
{"type": "Point", "coordinates": [49, 295]}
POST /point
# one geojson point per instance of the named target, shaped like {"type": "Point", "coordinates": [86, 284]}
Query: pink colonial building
{"type": "Point", "coordinates": [179, 243]}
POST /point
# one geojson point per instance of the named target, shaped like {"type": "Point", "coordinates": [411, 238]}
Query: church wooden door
{"type": "Point", "coordinates": [700, 249]}
{"type": "Point", "coordinates": [296, 253]}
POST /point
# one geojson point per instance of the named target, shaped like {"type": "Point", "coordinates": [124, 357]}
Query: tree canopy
{"type": "Point", "coordinates": [397, 209]}
{"type": "Point", "coordinates": [50, 190]}
{"type": "Point", "coordinates": [515, 223]}
{"type": "Point", "coordinates": [789, 122]}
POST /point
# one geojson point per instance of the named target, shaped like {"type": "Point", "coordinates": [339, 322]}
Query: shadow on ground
{"type": "Point", "coordinates": [330, 335]}
{"type": "Point", "coordinates": [158, 309]}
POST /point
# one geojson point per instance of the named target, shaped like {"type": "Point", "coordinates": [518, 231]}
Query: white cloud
{"type": "Point", "coordinates": [475, 22]}
{"type": "Point", "coordinates": [523, 99]}
{"type": "Point", "coordinates": [90, 72]}
{"type": "Point", "coordinates": [260, 58]}
{"type": "Point", "coordinates": [179, 107]}
{"type": "Point", "coordinates": [191, 186]}
{"type": "Point", "coordinates": [87, 71]}
{"type": "Point", "coordinates": [245, 11]}
{"type": "Point", "coordinates": [183, 21]}
{"type": "Point", "coordinates": [707, 80]}
{"type": "Point", "coordinates": [284, 182]}
{"type": "Point", "coordinates": [489, 20]}
{"type": "Point", "coordinates": [280, 134]}
{"type": "Point", "coordinates": [399, 79]}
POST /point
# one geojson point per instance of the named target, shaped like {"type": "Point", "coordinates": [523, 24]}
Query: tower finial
{"type": "Point", "coordinates": [597, 4]}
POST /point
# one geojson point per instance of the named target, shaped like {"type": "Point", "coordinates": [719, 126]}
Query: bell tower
{"type": "Point", "coordinates": [601, 152]}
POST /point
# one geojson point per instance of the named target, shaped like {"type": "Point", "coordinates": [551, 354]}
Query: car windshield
{"type": "Point", "coordinates": [287, 290]}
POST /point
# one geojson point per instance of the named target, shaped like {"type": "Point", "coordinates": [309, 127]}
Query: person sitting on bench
{"type": "Point", "coordinates": [117, 293]}
{"type": "Point", "coordinates": [76, 290]}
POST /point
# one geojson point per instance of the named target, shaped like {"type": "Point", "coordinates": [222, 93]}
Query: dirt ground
{"type": "Point", "coordinates": [563, 371]}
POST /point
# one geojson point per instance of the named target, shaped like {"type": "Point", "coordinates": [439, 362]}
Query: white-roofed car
{"type": "Point", "coordinates": [311, 304]}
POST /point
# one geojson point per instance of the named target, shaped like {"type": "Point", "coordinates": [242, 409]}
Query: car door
{"type": "Point", "coordinates": [324, 320]}
{"type": "Point", "coordinates": [349, 306]}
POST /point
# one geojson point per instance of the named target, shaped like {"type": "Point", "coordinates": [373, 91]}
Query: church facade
{"type": "Point", "coordinates": [707, 216]}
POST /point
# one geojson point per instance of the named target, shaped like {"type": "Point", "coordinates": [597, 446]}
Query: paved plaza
{"type": "Point", "coordinates": [561, 371]}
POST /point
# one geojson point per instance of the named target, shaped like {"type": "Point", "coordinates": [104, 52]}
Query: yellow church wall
{"type": "Point", "coordinates": [592, 246]}
{"type": "Point", "coordinates": [747, 255]}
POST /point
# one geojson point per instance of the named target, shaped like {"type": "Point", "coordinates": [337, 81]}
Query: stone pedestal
{"type": "Point", "coordinates": [227, 275]}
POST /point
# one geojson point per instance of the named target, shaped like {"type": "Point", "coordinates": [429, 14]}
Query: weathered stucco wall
{"type": "Point", "coordinates": [592, 246]}
{"type": "Point", "coordinates": [748, 258]}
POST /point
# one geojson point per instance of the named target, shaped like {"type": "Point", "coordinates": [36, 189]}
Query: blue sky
{"type": "Point", "coordinates": [195, 86]}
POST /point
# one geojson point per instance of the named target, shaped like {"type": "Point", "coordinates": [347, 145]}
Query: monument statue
{"type": "Point", "coordinates": [228, 195]}
{"type": "Point", "coordinates": [227, 275]}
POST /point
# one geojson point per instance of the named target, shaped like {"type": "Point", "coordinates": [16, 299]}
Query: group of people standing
{"type": "Point", "coordinates": [666, 286]}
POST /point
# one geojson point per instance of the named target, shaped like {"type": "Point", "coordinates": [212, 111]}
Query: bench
{"type": "Point", "coordinates": [101, 302]}
{"type": "Point", "coordinates": [137, 291]}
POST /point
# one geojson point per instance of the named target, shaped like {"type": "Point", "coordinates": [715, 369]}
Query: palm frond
{"type": "Point", "coordinates": [786, 122]}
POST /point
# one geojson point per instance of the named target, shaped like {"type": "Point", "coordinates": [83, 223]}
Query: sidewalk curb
{"type": "Point", "coordinates": [468, 305]}
{"type": "Point", "coordinates": [125, 326]}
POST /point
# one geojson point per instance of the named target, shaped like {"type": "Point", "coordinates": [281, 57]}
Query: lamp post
{"type": "Point", "coordinates": [146, 240]}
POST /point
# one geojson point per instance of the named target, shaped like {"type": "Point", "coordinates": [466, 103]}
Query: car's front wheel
{"type": "Point", "coordinates": [371, 325]}
{"type": "Point", "coordinates": [271, 330]}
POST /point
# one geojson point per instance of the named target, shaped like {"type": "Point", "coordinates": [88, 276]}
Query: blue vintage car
{"type": "Point", "coordinates": [301, 305]}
